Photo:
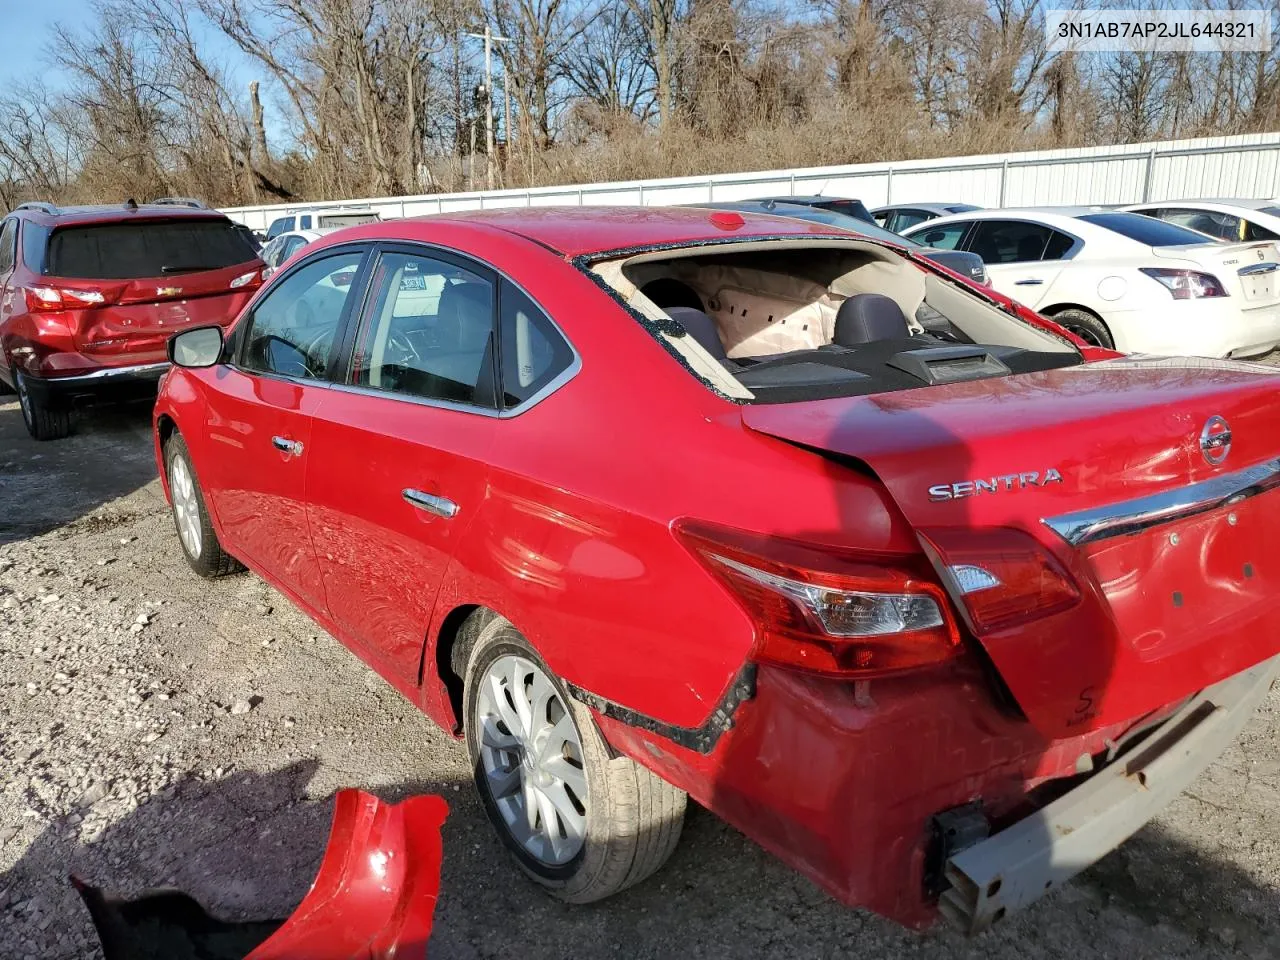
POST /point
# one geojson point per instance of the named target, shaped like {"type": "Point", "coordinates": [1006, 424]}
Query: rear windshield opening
{"type": "Point", "coordinates": [793, 320]}
{"type": "Point", "coordinates": [145, 249]}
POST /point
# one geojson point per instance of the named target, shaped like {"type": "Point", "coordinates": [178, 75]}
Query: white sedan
{"type": "Point", "coordinates": [1231, 220]}
{"type": "Point", "coordinates": [284, 245]}
{"type": "Point", "coordinates": [1125, 280]}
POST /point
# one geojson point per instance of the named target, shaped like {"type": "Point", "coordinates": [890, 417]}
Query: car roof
{"type": "Point", "coordinates": [115, 213]}
{"type": "Point", "coordinates": [1211, 201]}
{"type": "Point", "coordinates": [575, 231]}
{"type": "Point", "coordinates": [310, 234]}
{"type": "Point", "coordinates": [939, 207]}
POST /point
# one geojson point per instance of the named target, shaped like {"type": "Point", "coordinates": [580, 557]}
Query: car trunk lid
{"type": "Point", "coordinates": [1170, 602]}
{"type": "Point", "coordinates": [1250, 271]}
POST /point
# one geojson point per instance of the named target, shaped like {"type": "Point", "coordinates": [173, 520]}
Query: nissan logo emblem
{"type": "Point", "coordinates": [1215, 440]}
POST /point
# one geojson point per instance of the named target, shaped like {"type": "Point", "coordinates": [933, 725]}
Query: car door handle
{"type": "Point", "coordinates": [285, 445]}
{"type": "Point", "coordinates": [1027, 283]}
{"type": "Point", "coordinates": [440, 506]}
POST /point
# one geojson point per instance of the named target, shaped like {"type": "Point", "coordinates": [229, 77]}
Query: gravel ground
{"type": "Point", "coordinates": [161, 730]}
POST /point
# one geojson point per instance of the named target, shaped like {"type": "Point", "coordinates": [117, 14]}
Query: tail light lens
{"type": "Point", "coordinates": [42, 299]}
{"type": "Point", "coordinates": [829, 612]}
{"type": "Point", "coordinates": [1186, 284]}
{"type": "Point", "coordinates": [249, 280]}
{"type": "Point", "coordinates": [1003, 577]}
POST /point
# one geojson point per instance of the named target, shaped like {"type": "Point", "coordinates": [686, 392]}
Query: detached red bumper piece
{"type": "Point", "coordinates": [376, 891]}
{"type": "Point", "coordinates": [373, 898]}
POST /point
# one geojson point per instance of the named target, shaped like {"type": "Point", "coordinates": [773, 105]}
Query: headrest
{"type": "Point", "coordinates": [701, 327]}
{"type": "Point", "coordinates": [867, 317]}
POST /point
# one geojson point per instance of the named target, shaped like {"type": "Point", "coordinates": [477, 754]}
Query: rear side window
{"type": "Point", "coordinates": [533, 351]}
{"type": "Point", "coordinates": [1146, 230]}
{"type": "Point", "coordinates": [8, 244]}
{"type": "Point", "coordinates": [906, 219]}
{"type": "Point", "coordinates": [34, 239]}
{"type": "Point", "coordinates": [346, 219]}
{"type": "Point", "coordinates": [128, 251]}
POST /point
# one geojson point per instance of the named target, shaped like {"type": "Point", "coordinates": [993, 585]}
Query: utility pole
{"type": "Point", "coordinates": [489, 39]}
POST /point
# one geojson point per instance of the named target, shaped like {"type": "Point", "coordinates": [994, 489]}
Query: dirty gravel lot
{"type": "Point", "coordinates": [156, 729]}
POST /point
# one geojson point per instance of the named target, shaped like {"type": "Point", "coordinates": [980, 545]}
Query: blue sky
{"type": "Point", "coordinates": [29, 32]}
{"type": "Point", "coordinates": [28, 28]}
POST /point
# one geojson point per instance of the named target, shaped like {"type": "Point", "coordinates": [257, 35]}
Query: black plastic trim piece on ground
{"type": "Point", "coordinates": [702, 739]}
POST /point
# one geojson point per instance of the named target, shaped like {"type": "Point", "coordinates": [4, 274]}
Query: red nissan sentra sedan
{"type": "Point", "coordinates": [655, 503]}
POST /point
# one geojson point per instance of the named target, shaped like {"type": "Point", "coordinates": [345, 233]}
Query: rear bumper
{"type": "Point", "coordinates": [108, 383]}
{"type": "Point", "coordinates": [847, 785]}
{"type": "Point", "coordinates": [1019, 864]}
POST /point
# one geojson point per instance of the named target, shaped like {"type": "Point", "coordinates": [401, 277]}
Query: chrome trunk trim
{"type": "Point", "coordinates": [1134, 516]}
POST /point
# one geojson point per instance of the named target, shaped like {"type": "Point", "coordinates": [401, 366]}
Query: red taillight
{"type": "Point", "coordinates": [1002, 576]}
{"type": "Point", "coordinates": [49, 299]}
{"type": "Point", "coordinates": [249, 281]}
{"type": "Point", "coordinates": [825, 611]}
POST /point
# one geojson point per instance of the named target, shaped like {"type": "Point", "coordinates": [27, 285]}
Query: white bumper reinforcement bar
{"type": "Point", "coordinates": [1021, 863]}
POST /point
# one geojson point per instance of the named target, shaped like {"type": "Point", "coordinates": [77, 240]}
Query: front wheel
{"type": "Point", "coordinates": [580, 820]}
{"type": "Point", "coordinates": [42, 422]}
{"type": "Point", "coordinates": [1086, 326]}
{"type": "Point", "coordinates": [191, 517]}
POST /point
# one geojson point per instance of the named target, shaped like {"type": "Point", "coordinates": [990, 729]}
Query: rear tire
{"type": "Point", "coordinates": [618, 834]}
{"type": "Point", "coordinates": [42, 422]}
{"type": "Point", "coordinates": [191, 517]}
{"type": "Point", "coordinates": [1085, 325]}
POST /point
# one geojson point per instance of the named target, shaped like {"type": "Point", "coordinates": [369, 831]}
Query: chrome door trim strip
{"type": "Point", "coordinates": [1142, 513]}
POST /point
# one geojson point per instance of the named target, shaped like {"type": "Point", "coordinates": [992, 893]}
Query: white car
{"type": "Point", "coordinates": [1124, 280]}
{"type": "Point", "coordinates": [304, 220]}
{"type": "Point", "coordinates": [1234, 221]}
{"type": "Point", "coordinates": [285, 245]}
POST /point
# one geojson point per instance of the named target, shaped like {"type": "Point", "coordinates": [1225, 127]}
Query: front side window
{"type": "Point", "coordinates": [946, 236]}
{"type": "Point", "coordinates": [1009, 241]}
{"type": "Point", "coordinates": [430, 332]}
{"type": "Point", "coordinates": [305, 222]}
{"type": "Point", "coordinates": [293, 329]}
{"type": "Point", "coordinates": [533, 351]}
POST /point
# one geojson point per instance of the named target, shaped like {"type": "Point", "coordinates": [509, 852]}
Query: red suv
{"type": "Point", "coordinates": [89, 295]}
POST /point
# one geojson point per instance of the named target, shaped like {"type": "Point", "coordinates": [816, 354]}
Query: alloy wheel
{"type": "Point", "coordinates": [531, 755]}
{"type": "Point", "coordinates": [186, 508]}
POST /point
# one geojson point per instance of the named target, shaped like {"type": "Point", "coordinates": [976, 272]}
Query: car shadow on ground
{"type": "Point", "coordinates": [248, 846]}
{"type": "Point", "coordinates": [47, 485]}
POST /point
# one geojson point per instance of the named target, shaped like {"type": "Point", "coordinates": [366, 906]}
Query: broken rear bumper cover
{"type": "Point", "coordinates": [1021, 863]}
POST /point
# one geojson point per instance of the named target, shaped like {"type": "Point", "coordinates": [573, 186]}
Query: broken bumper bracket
{"type": "Point", "coordinates": [1021, 863]}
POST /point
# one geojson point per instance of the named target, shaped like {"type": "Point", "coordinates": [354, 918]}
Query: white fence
{"type": "Point", "coordinates": [1242, 166]}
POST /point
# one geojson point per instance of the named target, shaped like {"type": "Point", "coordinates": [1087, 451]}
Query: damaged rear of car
{"type": "Point", "coordinates": [1085, 619]}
